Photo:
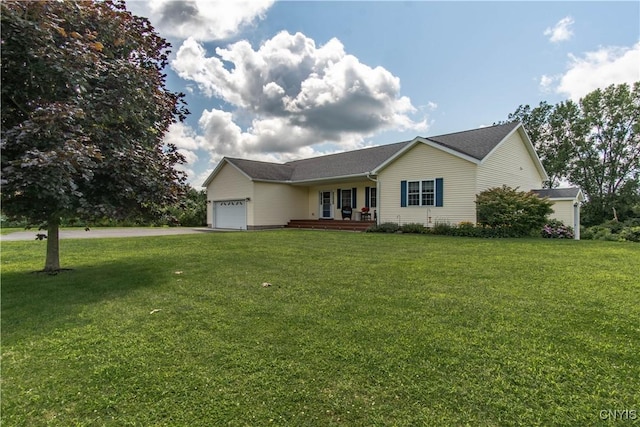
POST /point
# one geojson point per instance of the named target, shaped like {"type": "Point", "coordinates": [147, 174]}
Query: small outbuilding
{"type": "Point", "coordinates": [566, 205]}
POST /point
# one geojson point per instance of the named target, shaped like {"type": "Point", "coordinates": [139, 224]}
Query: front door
{"type": "Point", "coordinates": [326, 205]}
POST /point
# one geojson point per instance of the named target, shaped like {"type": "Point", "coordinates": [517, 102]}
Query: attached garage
{"type": "Point", "coordinates": [230, 214]}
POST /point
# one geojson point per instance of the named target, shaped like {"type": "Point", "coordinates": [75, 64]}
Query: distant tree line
{"type": "Point", "coordinates": [593, 144]}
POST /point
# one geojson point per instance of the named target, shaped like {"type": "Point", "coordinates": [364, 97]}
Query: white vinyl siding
{"type": "Point", "coordinates": [275, 204]}
{"type": "Point", "coordinates": [563, 210]}
{"type": "Point", "coordinates": [509, 164]}
{"type": "Point", "coordinates": [421, 163]}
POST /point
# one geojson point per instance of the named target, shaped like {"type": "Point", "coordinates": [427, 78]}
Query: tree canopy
{"type": "Point", "coordinates": [84, 113]}
{"type": "Point", "coordinates": [593, 143]}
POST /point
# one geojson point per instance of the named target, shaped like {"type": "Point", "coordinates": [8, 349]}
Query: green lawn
{"type": "Point", "coordinates": [357, 329]}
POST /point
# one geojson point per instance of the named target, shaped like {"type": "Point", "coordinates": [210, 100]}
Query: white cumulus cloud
{"type": "Point", "coordinates": [599, 69]}
{"type": "Point", "coordinates": [296, 95]}
{"type": "Point", "coordinates": [547, 82]}
{"type": "Point", "coordinates": [561, 31]}
{"type": "Point", "coordinates": [204, 20]}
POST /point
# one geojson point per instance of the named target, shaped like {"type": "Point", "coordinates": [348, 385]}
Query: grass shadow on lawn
{"type": "Point", "coordinates": [35, 304]}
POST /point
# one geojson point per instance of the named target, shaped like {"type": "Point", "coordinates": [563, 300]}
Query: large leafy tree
{"type": "Point", "coordinates": [84, 113]}
{"type": "Point", "coordinates": [593, 143]}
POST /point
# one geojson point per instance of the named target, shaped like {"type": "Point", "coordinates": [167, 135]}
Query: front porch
{"type": "Point", "coordinates": [330, 224]}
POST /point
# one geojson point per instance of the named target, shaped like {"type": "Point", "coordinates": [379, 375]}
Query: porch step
{"type": "Point", "coordinates": [336, 224]}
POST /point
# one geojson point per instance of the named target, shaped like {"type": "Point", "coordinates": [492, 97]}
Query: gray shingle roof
{"type": "Point", "coordinates": [558, 193]}
{"type": "Point", "coordinates": [264, 171]}
{"type": "Point", "coordinates": [356, 162]}
{"type": "Point", "coordinates": [475, 143]}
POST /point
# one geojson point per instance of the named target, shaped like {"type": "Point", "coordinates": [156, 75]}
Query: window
{"type": "Point", "coordinates": [421, 193]}
{"type": "Point", "coordinates": [373, 198]}
{"type": "Point", "coordinates": [345, 198]}
{"type": "Point", "coordinates": [428, 193]}
{"type": "Point", "coordinates": [414, 193]}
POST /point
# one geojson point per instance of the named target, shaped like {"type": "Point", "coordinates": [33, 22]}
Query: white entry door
{"type": "Point", "coordinates": [230, 214]}
{"type": "Point", "coordinates": [326, 204]}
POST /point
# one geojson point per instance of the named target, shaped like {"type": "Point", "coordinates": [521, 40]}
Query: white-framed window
{"type": "Point", "coordinates": [421, 193]}
{"type": "Point", "coordinates": [413, 193]}
{"type": "Point", "coordinates": [373, 197]}
{"type": "Point", "coordinates": [428, 193]}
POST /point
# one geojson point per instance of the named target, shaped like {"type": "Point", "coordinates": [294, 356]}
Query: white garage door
{"type": "Point", "coordinates": [230, 214]}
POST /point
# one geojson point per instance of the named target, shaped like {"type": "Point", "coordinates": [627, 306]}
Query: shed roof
{"type": "Point", "coordinates": [559, 193]}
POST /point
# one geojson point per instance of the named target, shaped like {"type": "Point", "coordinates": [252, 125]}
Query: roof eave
{"type": "Point", "coordinates": [219, 167]}
{"type": "Point", "coordinates": [329, 179]}
{"type": "Point", "coordinates": [272, 181]}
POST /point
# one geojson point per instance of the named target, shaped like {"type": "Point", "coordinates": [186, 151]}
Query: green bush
{"type": "Point", "coordinates": [385, 227]}
{"type": "Point", "coordinates": [414, 227]}
{"type": "Point", "coordinates": [443, 228]}
{"type": "Point", "coordinates": [631, 234]}
{"type": "Point", "coordinates": [632, 222]}
{"type": "Point", "coordinates": [615, 226]}
{"type": "Point", "coordinates": [468, 229]}
{"type": "Point", "coordinates": [612, 231]}
{"type": "Point", "coordinates": [512, 213]}
{"type": "Point", "coordinates": [6, 222]}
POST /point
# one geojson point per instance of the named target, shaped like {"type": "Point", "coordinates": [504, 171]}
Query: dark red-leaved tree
{"type": "Point", "coordinates": [84, 113]}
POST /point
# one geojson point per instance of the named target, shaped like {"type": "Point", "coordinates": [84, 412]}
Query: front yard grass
{"type": "Point", "coordinates": [356, 329]}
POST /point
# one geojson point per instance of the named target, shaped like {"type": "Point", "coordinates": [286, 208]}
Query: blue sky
{"type": "Point", "coordinates": [277, 81]}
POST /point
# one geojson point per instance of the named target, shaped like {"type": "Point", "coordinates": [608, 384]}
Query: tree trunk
{"type": "Point", "coordinates": [52, 263]}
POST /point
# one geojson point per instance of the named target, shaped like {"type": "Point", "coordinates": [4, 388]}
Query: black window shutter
{"type": "Point", "coordinates": [403, 194]}
{"type": "Point", "coordinates": [439, 191]}
{"type": "Point", "coordinates": [366, 196]}
{"type": "Point", "coordinates": [354, 198]}
{"type": "Point", "coordinates": [339, 198]}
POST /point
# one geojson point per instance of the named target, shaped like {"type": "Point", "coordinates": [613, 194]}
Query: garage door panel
{"type": "Point", "coordinates": [230, 214]}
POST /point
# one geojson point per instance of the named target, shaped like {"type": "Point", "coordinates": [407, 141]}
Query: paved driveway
{"type": "Point", "coordinates": [95, 233]}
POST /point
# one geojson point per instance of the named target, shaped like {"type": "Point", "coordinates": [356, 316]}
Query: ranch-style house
{"type": "Point", "coordinates": [426, 180]}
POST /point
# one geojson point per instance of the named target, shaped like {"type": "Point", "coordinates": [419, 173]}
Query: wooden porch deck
{"type": "Point", "coordinates": [330, 224]}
